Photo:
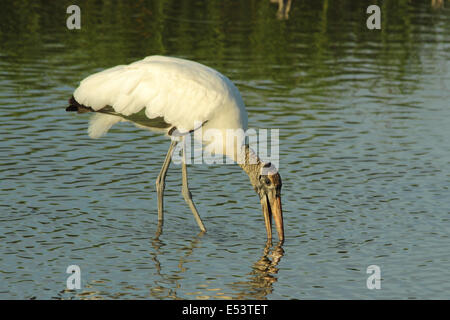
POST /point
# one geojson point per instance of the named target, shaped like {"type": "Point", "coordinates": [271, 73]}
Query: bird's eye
{"type": "Point", "coordinates": [267, 181]}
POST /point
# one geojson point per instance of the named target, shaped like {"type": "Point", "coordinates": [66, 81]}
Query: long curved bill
{"type": "Point", "coordinates": [271, 206]}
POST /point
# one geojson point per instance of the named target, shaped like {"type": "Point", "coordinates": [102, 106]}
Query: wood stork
{"type": "Point", "coordinates": [173, 95]}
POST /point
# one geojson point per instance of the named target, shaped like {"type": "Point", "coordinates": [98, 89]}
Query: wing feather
{"type": "Point", "coordinates": [180, 91]}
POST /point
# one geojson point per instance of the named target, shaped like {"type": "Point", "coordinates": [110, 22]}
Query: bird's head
{"type": "Point", "coordinates": [268, 186]}
{"type": "Point", "coordinates": [267, 183]}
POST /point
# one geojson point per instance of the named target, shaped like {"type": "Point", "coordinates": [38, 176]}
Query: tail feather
{"type": "Point", "coordinates": [100, 124]}
{"type": "Point", "coordinates": [75, 106]}
{"type": "Point", "coordinates": [101, 121]}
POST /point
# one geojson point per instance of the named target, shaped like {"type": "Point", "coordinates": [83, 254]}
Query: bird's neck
{"type": "Point", "coordinates": [250, 163]}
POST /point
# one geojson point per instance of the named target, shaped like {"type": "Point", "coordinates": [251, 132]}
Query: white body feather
{"type": "Point", "coordinates": [183, 92]}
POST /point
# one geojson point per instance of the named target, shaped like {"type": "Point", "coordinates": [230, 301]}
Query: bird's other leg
{"type": "Point", "coordinates": [160, 182]}
{"type": "Point", "coordinates": [186, 192]}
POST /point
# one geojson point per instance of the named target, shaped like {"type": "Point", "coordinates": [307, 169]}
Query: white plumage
{"type": "Point", "coordinates": [186, 95]}
{"type": "Point", "coordinates": [182, 92]}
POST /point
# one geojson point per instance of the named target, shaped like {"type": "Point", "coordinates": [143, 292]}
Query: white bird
{"type": "Point", "coordinates": [179, 96]}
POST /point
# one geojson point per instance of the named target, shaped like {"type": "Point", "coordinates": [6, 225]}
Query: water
{"type": "Point", "coordinates": [364, 126]}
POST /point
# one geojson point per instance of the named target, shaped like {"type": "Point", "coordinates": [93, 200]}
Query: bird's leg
{"type": "Point", "coordinates": [185, 189]}
{"type": "Point", "coordinates": [160, 181]}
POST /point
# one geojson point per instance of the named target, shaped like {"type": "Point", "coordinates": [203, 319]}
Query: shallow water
{"type": "Point", "coordinates": [364, 122]}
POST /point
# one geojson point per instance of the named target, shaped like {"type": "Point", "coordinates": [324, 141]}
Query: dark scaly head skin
{"type": "Point", "coordinates": [268, 188]}
{"type": "Point", "coordinates": [266, 181]}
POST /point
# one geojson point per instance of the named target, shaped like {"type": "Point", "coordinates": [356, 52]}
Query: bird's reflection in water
{"type": "Point", "coordinates": [284, 6]}
{"type": "Point", "coordinates": [262, 276]}
{"type": "Point", "coordinates": [166, 287]}
{"type": "Point", "coordinates": [258, 286]}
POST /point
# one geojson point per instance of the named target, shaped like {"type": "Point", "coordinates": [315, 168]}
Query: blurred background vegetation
{"type": "Point", "coordinates": [121, 31]}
